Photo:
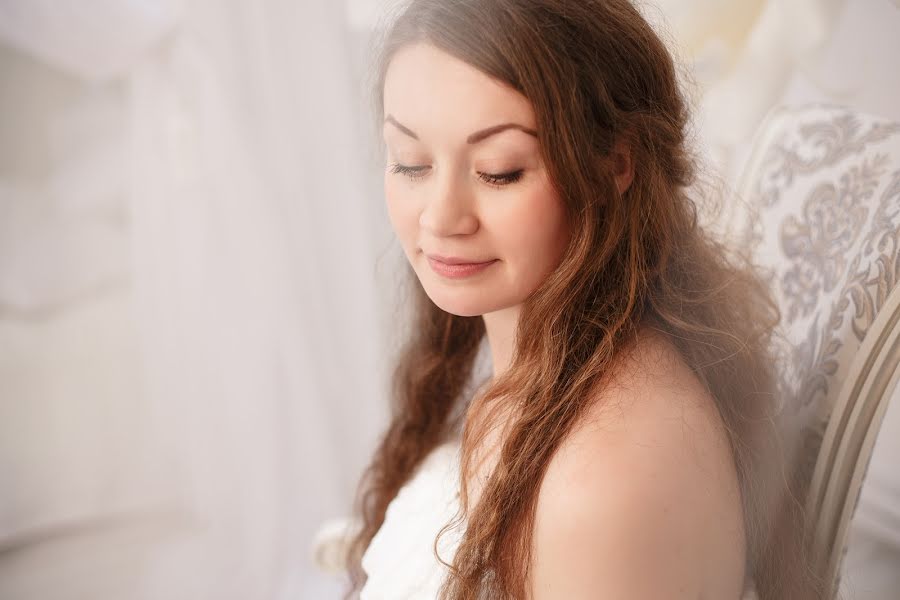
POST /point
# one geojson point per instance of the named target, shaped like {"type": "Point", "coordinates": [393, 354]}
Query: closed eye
{"type": "Point", "coordinates": [411, 172]}
{"type": "Point", "coordinates": [494, 179]}
{"type": "Point", "coordinates": [502, 179]}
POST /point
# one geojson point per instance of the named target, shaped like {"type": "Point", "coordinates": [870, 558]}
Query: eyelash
{"type": "Point", "coordinates": [498, 180]}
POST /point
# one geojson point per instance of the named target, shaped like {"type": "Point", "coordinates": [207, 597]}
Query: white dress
{"type": "Point", "coordinates": [400, 561]}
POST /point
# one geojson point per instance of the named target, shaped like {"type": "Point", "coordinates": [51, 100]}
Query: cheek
{"type": "Point", "coordinates": [402, 213]}
{"type": "Point", "coordinates": [535, 232]}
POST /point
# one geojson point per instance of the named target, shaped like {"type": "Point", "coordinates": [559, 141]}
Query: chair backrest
{"type": "Point", "coordinates": [822, 185]}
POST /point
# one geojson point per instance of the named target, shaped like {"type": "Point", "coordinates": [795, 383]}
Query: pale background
{"type": "Point", "coordinates": [198, 282]}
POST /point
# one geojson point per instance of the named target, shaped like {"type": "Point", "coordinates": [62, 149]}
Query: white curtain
{"type": "Point", "coordinates": [254, 262]}
{"type": "Point", "coordinates": [197, 371]}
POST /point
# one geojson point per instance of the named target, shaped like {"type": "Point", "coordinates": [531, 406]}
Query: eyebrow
{"type": "Point", "coordinates": [472, 139]}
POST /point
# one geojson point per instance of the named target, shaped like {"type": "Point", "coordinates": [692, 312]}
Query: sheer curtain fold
{"type": "Point", "coordinates": [245, 384]}
{"type": "Point", "coordinates": [254, 264]}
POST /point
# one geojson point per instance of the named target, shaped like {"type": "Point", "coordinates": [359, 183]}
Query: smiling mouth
{"type": "Point", "coordinates": [454, 260]}
{"type": "Point", "coordinates": [458, 270]}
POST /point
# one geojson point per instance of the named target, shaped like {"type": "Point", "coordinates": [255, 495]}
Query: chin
{"type": "Point", "coordinates": [459, 307]}
{"type": "Point", "coordinates": [461, 302]}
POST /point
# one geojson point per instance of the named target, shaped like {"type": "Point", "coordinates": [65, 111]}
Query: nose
{"type": "Point", "coordinates": [449, 209]}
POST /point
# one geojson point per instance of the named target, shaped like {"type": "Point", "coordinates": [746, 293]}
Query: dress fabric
{"type": "Point", "coordinates": [400, 562]}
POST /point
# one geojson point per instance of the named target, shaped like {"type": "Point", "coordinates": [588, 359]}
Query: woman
{"type": "Point", "coordinates": [537, 179]}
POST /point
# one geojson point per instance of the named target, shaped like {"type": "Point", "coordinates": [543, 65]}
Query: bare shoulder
{"type": "Point", "coordinates": [642, 500]}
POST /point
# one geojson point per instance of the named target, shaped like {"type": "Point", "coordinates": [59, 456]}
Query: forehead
{"type": "Point", "coordinates": [436, 94]}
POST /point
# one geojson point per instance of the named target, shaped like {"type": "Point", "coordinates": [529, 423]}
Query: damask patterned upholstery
{"type": "Point", "coordinates": [823, 187]}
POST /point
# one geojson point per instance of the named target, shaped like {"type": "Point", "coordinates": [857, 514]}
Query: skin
{"type": "Point", "coordinates": [625, 506]}
{"type": "Point", "coordinates": [641, 501]}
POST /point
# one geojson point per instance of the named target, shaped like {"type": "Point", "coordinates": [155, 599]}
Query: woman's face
{"type": "Point", "coordinates": [465, 181]}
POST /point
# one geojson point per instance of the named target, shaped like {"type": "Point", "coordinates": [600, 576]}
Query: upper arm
{"type": "Point", "coordinates": [641, 501]}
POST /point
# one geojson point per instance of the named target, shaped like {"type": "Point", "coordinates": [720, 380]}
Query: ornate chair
{"type": "Point", "coordinates": [823, 187]}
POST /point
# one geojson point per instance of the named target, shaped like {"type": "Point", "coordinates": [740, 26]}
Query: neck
{"type": "Point", "coordinates": [500, 328]}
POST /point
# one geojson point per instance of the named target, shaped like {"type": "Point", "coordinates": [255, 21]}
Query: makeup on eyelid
{"type": "Point", "coordinates": [515, 162]}
{"type": "Point", "coordinates": [492, 171]}
{"type": "Point", "coordinates": [415, 172]}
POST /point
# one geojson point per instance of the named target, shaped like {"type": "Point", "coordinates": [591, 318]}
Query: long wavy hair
{"type": "Point", "coordinates": [596, 73]}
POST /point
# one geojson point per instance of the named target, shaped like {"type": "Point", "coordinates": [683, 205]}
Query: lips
{"type": "Point", "coordinates": [459, 269]}
{"type": "Point", "coordinates": [455, 260]}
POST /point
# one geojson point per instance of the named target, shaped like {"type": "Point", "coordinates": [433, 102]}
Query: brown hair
{"type": "Point", "coordinates": [596, 73]}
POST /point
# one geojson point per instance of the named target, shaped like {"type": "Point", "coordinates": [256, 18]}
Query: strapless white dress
{"type": "Point", "coordinates": [400, 561]}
